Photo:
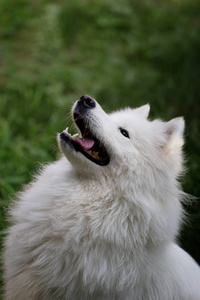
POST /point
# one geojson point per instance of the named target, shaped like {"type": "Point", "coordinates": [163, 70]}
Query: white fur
{"type": "Point", "coordinates": [83, 231]}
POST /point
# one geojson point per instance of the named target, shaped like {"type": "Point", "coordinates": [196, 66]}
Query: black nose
{"type": "Point", "coordinates": [87, 101]}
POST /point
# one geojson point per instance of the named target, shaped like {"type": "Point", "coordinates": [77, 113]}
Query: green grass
{"type": "Point", "coordinates": [123, 53]}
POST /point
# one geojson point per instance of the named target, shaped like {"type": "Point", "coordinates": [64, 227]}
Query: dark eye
{"type": "Point", "coordinates": [124, 132]}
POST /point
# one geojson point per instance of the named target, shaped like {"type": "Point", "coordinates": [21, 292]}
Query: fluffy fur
{"type": "Point", "coordinates": [84, 231]}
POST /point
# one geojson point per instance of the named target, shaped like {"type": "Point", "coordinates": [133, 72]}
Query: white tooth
{"type": "Point", "coordinates": [66, 131]}
{"type": "Point", "coordinates": [75, 135]}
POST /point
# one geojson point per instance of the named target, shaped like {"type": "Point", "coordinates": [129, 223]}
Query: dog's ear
{"type": "Point", "coordinates": [143, 110]}
{"type": "Point", "coordinates": [174, 130]}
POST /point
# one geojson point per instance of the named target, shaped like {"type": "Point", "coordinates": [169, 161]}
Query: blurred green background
{"type": "Point", "coordinates": [121, 52]}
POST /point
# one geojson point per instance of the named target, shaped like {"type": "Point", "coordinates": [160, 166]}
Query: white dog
{"type": "Point", "coordinates": [102, 223]}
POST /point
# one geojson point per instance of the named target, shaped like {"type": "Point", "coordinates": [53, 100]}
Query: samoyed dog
{"type": "Point", "coordinates": [101, 222]}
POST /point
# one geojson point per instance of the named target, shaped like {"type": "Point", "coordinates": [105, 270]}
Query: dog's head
{"type": "Point", "coordinates": [124, 141]}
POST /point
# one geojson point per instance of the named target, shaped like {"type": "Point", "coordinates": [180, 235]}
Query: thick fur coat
{"type": "Point", "coordinates": [103, 224]}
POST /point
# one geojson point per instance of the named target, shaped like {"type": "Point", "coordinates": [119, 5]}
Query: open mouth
{"type": "Point", "coordinates": [87, 143]}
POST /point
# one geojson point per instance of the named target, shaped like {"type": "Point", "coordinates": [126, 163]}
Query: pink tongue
{"type": "Point", "coordinates": [86, 143]}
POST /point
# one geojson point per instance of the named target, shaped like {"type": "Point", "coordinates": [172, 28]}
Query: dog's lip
{"type": "Point", "coordinates": [88, 145]}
